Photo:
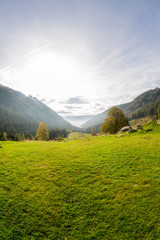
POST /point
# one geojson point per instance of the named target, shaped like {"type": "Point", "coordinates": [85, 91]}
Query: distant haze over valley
{"type": "Point", "coordinates": [78, 120]}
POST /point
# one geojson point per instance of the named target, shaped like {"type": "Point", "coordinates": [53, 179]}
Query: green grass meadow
{"type": "Point", "coordinates": [92, 188]}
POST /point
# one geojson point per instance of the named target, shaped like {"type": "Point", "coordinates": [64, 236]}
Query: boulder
{"type": "Point", "coordinates": [129, 131]}
{"type": "Point", "coordinates": [125, 129]}
{"type": "Point", "coordinates": [158, 121]}
{"type": "Point", "coordinates": [121, 135]}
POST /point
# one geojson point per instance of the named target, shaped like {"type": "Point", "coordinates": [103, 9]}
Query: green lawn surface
{"type": "Point", "coordinates": [92, 188]}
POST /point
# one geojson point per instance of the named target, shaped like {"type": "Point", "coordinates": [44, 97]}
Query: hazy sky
{"type": "Point", "coordinates": [80, 56]}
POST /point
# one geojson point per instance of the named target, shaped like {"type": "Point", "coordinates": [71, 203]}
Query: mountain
{"type": "Point", "coordinates": [96, 120]}
{"type": "Point", "coordinates": [22, 114]}
{"type": "Point", "coordinates": [144, 105]}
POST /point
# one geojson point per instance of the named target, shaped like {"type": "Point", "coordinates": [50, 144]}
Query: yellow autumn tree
{"type": "Point", "coordinates": [4, 136]}
{"type": "Point", "coordinates": [108, 126]}
{"type": "Point", "coordinates": [115, 121]}
{"type": "Point", "coordinates": [42, 132]}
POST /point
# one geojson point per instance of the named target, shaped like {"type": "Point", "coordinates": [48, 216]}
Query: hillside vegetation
{"type": "Point", "coordinates": [91, 188]}
{"type": "Point", "coordinates": [21, 114]}
{"type": "Point", "coordinates": [145, 105]}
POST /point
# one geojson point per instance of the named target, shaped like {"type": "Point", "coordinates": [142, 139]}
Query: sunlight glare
{"type": "Point", "coordinates": [53, 70]}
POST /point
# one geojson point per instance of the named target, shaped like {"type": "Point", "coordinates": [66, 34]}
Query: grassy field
{"type": "Point", "coordinates": [92, 188]}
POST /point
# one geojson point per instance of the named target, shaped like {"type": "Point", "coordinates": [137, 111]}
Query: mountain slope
{"type": "Point", "coordinates": [143, 105]}
{"type": "Point", "coordinates": [19, 113]}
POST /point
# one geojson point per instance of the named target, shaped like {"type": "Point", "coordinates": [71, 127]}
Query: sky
{"type": "Point", "coordinates": [80, 57]}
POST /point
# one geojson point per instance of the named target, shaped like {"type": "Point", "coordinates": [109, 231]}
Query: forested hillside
{"type": "Point", "coordinates": [143, 106]}
{"type": "Point", "coordinates": [147, 104]}
{"type": "Point", "coordinates": [22, 114]}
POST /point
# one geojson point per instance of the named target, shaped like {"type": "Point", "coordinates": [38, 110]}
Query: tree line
{"type": "Point", "coordinates": [112, 124]}
{"type": "Point", "coordinates": [42, 133]}
{"type": "Point", "coordinates": [152, 109]}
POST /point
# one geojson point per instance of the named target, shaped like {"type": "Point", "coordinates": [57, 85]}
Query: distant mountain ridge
{"type": "Point", "coordinates": [19, 113]}
{"type": "Point", "coordinates": [22, 114]}
{"type": "Point", "coordinates": [143, 105]}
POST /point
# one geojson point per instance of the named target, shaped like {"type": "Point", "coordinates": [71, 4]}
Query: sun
{"type": "Point", "coordinates": [52, 65]}
{"type": "Point", "coordinates": [51, 75]}
{"type": "Point", "coordinates": [54, 73]}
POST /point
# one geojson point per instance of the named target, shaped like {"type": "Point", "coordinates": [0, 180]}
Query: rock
{"type": "Point", "coordinates": [158, 121]}
{"type": "Point", "coordinates": [125, 129]}
{"type": "Point", "coordinates": [129, 131]}
{"type": "Point", "coordinates": [120, 135]}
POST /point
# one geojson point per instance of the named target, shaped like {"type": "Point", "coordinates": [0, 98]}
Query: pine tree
{"type": "Point", "coordinates": [22, 137]}
{"type": "Point", "coordinates": [42, 132]}
{"type": "Point", "coordinates": [18, 137]}
{"type": "Point", "coordinates": [158, 110]}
